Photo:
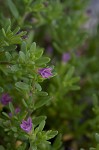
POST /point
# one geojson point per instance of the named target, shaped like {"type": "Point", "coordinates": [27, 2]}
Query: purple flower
{"type": "Point", "coordinates": [10, 114]}
{"type": "Point", "coordinates": [49, 50]}
{"type": "Point", "coordinates": [17, 110]}
{"type": "Point", "coordinates": [45, 72]}
{"type": "Point", "coordinates": [5, 99]}
{"type": "Point", "coordinates": [66, 57]}
{"type": "Point", "coordinates": [26, 125]}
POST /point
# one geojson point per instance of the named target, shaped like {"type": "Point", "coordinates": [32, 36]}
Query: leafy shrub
{"type": "Point", "coordinates": [31, 88]}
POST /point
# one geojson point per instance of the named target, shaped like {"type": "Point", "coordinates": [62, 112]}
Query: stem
{"type": "Point", "coordinates": [23, 18]}
{"type": "Point", "coordinates": [5, 63]}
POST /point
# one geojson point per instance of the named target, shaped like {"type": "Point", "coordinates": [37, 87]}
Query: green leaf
{"type": "Point", "coordinates": [34, 147]}
{"type": "Point", "coordinates": [97, 137]}
{"type": "Point", "coordinates": [2, 148]}
{"type": "Point", "coordinates": [22, 147]}
{"type": "Point", "coordinates": [23, 47]}
{"type": "Point", "coordinates": [14, 129]}
{"type": "Point", "coordinates": [69, 74]}
{"type": "Point", "coordinates": [75, 87]}
{"type": "Point", "coordinates": [16, 30]}
{"type": "Point", "coordinates": [22, 86]}
{"type": "Point", "coordinates": [75, 79]}
{"type": "Point", "coordinates": [10, 48]}
{"type": "Point", "coordinates": [38, 87]}
{"type": "Point", "coordinates": [41, 126]}
{"type": "Point", "coordinates": [22, 56]}
{"type": "Point", "coordinates": [41, 102]}
{"type": "Point", "coordinates": [14, 68]}
{"type": "Point", "coordinates": [13, 8]}
{"type": "Point", "coordinates": [5, 114]}
{"type": "Point", "coordinates": [30, 37]}
{"type": "Point", "coordinates": [6, 123]}
{"type": "Point", "coordinates": [38, 120]}
{"type": "Point", "coordinates": [95, 100]}
{"type": "Point", "coordinates": [15, 135]}
{"type": "Point", "coordinates": [51, 134]}
{"type": "Point", "coordinates": [33, 47]}
{"type": "Point", "coordinates": [9, 31]}
{"type": "Point", "coordinates": [41, 93]}
{"type": "Point", "coordinates": [38, 53]}
{"type": "Point", "coordinates": [11, 107]}
{"type": "Point", "coordinates": [42, 61]}
{"type": "Point", "coordinates": [8, 56]}
{"type": "Point", "coordinates": [3, 31]}
{"type": "Point", "coordinates": [1, 90]}
{"type": "Point", "coordinates": [24, 103]}
{"type": "Point", "coordinates": [57, 144]}
{"type": "Point", "coordinates": [7, 23]}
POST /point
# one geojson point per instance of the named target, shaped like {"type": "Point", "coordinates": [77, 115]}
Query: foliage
{"type": "Point", "coordinates": [31, 31]}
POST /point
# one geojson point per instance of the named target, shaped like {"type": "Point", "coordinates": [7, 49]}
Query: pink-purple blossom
{"type": "Point", "coordinates": [45, 72]}
{"type": "Point", "coordinates": [26, 125]}
{"type": "Point", "coordinates": [66, 57]}
{"type": "Point", "coordinates": [5, 99]}
{"type": "Point", "coordinates": [49, 50]}
{"type": "Point", "coordinates": [17, 110]}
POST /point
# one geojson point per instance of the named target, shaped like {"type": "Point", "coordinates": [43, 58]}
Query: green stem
{"type": "Point", "coordinates": [5, 63]}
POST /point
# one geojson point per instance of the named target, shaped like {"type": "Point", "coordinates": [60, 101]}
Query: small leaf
{"type": "Point", "coordinates": [69, 74]}
{"type": "Point", "coordinates": [5, 114]}
{"type": "Point", "coordinates": [41, 102]}
{"type": "Point", "coordinates": [11, 107]}
{"type": "Point", "coordinates": [22, 86]}
{"type": "Point", "coordinates": [41, 126]}
{"type": "Point", "coordinates": [75, 87]}
{"type": "Point", "coordinates": [38, 87]}
{"type": "Point", "coordinates": [57, 144]}
{"type": "Point", "coordinates": [23, 47]}
{"type": "Point", "coordinates": [8, 56]}
{"type": "Point", "coordinates": [22, 56]}
{"type": "Point", "coordinates": [16, 30]}
{"type": "Point", "coordinates": [38, 53]}
{"type": "Point", "coordinates": [97, 137]}
{"type": "Point", "coordinates": [42, 61]}
{"type": "Point", "coordinates": [30, 37]}
{"type": "Point", "coordinates": [14, 129]}
{"type": "Point", "coordinates": [13, 8]}
{"type": "Point", "coordinates": [2, 148]}
{"type": "Point", "coordinates": [95, 100]}
{"type": "Point", "coordinates": [14, 68]}
{"type": "Point", "coordinates": [38, 120]}
{"type": "Point", "coordinates": [1, 90]}
{"type": "Point", "coordinates": [33, 47]}
{"type": "Point", "coordinates": [51, 134]}
{"type": "Point", "coordinates": [24, 103]}
{"type": "Point", "coordinates": [92, 148]}
{"type": "Point", "coordinates": [41, 93]}
{"type": "Point", "coordinates": [3, 31]}
{"type": "Point", "coordinates": [34, 147]}
{"type": "Point", "coordinates": [7, 23]}
{"type": "Point", "coordinates": [7, 123]}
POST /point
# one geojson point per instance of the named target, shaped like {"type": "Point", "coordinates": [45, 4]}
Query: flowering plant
{"type": "Point", "coordinates": [37, 100]}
